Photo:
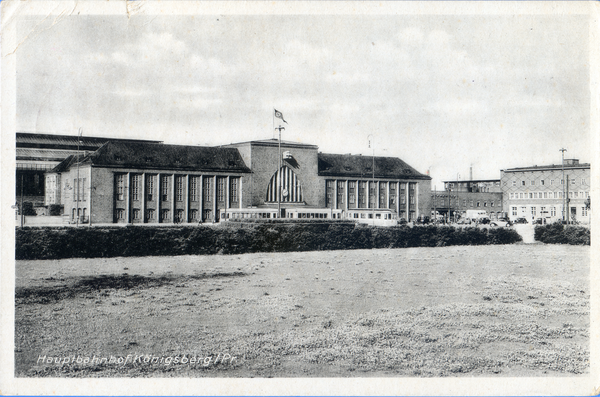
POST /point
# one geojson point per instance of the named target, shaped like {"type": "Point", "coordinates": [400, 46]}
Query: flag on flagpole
{"type": "Point", "coordinates": [279, 115]}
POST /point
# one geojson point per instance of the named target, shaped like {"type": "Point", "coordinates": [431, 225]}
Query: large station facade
{"type": "Point", "coordinates": [147, 182]}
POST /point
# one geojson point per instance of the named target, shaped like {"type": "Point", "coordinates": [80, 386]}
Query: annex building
{"type": "Point", "coordinates": [542, 192]}
{"type": "Point", "coordinates": [149, 182]}
{"type": "Point", "coordinates": [37, 154]}
{"type": "Point", "coordinates": [459, 196]}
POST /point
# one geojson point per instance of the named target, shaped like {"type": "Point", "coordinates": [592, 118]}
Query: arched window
{"type": "Point", "coordinates": [291, 189]}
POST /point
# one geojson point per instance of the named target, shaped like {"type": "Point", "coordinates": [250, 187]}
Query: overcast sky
{"type": "Point", "coordinates": [440, 92]}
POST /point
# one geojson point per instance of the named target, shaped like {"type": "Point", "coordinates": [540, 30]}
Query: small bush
{"type": "Point", "coordinates": [557, 233]}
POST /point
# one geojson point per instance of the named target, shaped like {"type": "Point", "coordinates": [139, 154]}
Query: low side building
{"type": "Point", "coordinates": [460, 196]}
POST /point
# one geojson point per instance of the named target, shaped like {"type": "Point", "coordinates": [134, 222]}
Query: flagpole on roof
{"type": "Point", "coordinates": [279, 115]}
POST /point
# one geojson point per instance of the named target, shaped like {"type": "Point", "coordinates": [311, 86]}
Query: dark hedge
{"type": "Point", "coordinates": [239, 238]}
{"type": "Point", "coordinates": [557, 233]}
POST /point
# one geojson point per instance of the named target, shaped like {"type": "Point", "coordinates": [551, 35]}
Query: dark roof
{"type": "Point", "coordinates": [361, 166]}
{"type": "Point", "coordinates": [34, 154]}
{"type": "Point", "coordinates": [68, 142]}
{"type": "Point", "coordinates": [171, 157]}
{"type": "Point", "coordinates": [65, 164]}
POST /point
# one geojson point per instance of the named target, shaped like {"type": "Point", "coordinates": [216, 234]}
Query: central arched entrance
{"type": "Point", "coordinates": [284, 187]}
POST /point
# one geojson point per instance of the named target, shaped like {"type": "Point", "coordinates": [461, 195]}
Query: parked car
{"type": "Point", "coordinates": [464, 221]}
{"type": "Point", "coordinates": [520, 220]}
{"type": "Point", "coordinates": [538, 221]}
{"type": "Point", "coordinates": [402, 221]}
{"type": "Point", "coordinates": [501, 223]}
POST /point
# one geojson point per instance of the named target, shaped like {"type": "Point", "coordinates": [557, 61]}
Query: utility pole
{"type": "Point", "coordinates": [279, 175]}
{"type": "Point", "coordinates": [457, 197]}
{"type": "Point", "coordinates": [563, 182]}
{"type": "Point", "coordinates": [372, 146]}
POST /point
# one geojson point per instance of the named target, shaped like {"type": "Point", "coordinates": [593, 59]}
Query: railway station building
{"type": "Point", "coordinates": [149, 182]}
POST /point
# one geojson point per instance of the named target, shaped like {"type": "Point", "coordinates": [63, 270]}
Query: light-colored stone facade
{"type": "Point", "coordinates": [537, 192]}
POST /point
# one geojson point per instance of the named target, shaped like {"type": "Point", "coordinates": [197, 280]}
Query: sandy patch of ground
{"type": "Point", "coordinates": [518, 310]}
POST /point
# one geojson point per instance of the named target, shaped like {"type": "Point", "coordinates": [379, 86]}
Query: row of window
{"type": "Point", "coordinates": [180, 182]}
{"type": "Point", "coordinates": [357, 193]}
{"type": "Point", "coordinates": [79, 189]}
{"type": "Point", "coordinates": [551, 182]}
{"type": "Point", "coordinates": [165, 215]}
{"type": "Point", "coordinates": [441, 202]}
{"type": "Point", "coordinates": [544, 211]}
{"type": "Point", "coordinates": [549, 195]}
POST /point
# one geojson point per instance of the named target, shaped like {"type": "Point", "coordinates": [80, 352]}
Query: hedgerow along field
{"type": "Point", "coordinates": [240, 238]}
{"type": "Point", "coordinates": [494, 310]}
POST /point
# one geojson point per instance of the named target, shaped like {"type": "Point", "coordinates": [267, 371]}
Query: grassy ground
{"type": "Point", "coordinates": [518, 310]}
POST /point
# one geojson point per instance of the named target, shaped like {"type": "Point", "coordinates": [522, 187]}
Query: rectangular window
{"type": "Point", "coordinates": [164, 188]}
{"type": "Point", "coordinates": [329, 188]}
{"type": "Point", "coordinates": [120, 187]}
{"type": "Point", "coordinates": [492, 203]}
{"type": "Point", "coordinates": [194, 188]}
{"type": "Point", "coordinates": [120, 214]}
{"type": "Point", "coordinates": [552, 211]}
{"type": "Point", "coordinates": [233, 190]}
{"type": "Point", "coordinates": [514, 183]}
{"type": "Point", "coordinates": [352, 192]}
{"type": "Point", "coordinates": [584, 211]}
{"type": "Point", "coordinates": [560, 195]}
{"type": "Point", "coordinates": [179, 187]}
{"type": "Point", "coordinates": [136, 214]}
{"type": "Point", "coordinates": [522, 183]}
{"type": "Point", "coordinates": [575, 194]}
{"type": "Point", "coordinates": [207, 190]}
{"type": "Point", "coordinates": [573, 181]}
{"type": "Point", "coordinates": [514, 211]}
{"type": "Point", "coordinates": [372, 194]}
{"type": "Point", "coordinates": [193, 215]}
{"type": "Point", "coordinates": [512, 195]}
{"type": "Point", "coordinates": [570, 194]}
{"type": "Point", "coordinates": [135, 188]}
{"type": "Point", "coordinates": [542, 211]}
{"type": "Point", "coordinates": [562, 181]}
{"type": "Point", "coordinates": [340, 192]}
{"type": "Point", "coordinates": [583, 181]}
{"type": "Point", "coordinates": [221, 190]}
{"type": "Point", "coordinates": [150, 214]}
{"type": "Point", "coordinates": [545, 195]}
{"type": "Point", "coordinates": [363, 194]}
{"type": "Point", "coordinates": [542, 182]}
{"type": "Point", "coordinates": [532, 183]}
{"type": "Point", "coordinates": [471, 203]}
{"type": "Point", "coordinates": [150, 187]}
{"type": "Point", "coordinates": [551, 181]}
{"type": "Point", "coordinates": [533, 211]}
{"type": "Point", "coordinates": [530, 195]}
{"type": "Point", "coordinates": [165, 215]}
{"type": "Point", "coordinates": [382, 194]}
{"type": "Point", "coordinates": [485, 203]}
{"type": "Point", "coordinates": [478, 204]}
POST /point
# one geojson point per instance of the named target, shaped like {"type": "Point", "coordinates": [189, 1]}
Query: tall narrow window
{"type": "Point", "coordinates": [164, 188]}
{"type": "Point", "coordinates": [120, 186]}
{"type": "Point", "coordinates": [179, 187]}
{"type": "Point", "coordinates": [135, 188]}
{"type": "Point", "coordinates": [220, 190]}
{"type": "Point", "coordinates": [233, 190]}
{"type": "Point", "coordinates": [352, 192]}
{"type": "Point", "coordinates": [207, 189]}
{"type": "Point", "coordinates": [340, 192]}
{"type": "Point", "coordinates": [194, 188]}
{"type": "Point", "coordinates": [329, 193]}
{"type": "Point", "coordinates": [150, 187]}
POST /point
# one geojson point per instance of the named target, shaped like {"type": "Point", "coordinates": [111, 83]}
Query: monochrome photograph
{"type": "Point", "coordinates": [299, 198]}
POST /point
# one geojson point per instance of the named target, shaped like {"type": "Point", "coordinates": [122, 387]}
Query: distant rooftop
{"type": "Point", "coordinates": [569, 163]}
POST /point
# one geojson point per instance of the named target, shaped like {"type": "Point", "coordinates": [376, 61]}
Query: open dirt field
{"type": "Point", "coordinates": [518, 310]}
